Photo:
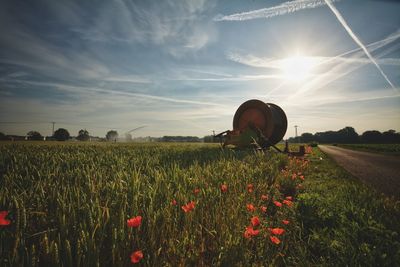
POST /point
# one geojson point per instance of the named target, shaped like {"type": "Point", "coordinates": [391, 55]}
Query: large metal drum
{"type": "Point", "coordinates": [269, 118]}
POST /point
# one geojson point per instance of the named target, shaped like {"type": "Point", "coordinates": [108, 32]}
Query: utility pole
{"type": "Point", "coordinates": [53, 122]}
{"type": "Point", "coordinates": [295, 128]}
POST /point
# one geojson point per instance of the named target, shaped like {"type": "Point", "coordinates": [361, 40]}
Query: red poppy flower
{"type": "Point", "coordinates": [255, 221]}
{"type": "Point", "coordinates": [249, 232]}
{"type": "Point", "coordinates": [224, 188]}
{"type": "Point", "coordinates": [173, 202]}
{"type": "Point", "coordinates": [3, 220]}
{"type": "Point", "coordinates": [250, 188]}
{"type": "Point", "coordinates": [264, 197]}
{"type": "Point", "coordinates": [136, 256]}
{"type": "Point", "coordinates": [286, 222]}
{"type": "Point", "coordinates": [250, 207]}
{"type": "Point", "coordinates": [277, 203]}
{"type": "Point", "coordinates": [288, 202]}
{"type": "Point", "coordinates": [189, 206]}
{"type": "Point", "coordinates": [277, 231]}
{"type": "Point", "coordinates": [134, 222]}
{"type": "Point", "coordinates": [263, 209]}
{"type": "Point", "coordinates": [275, 240]}
{"type": "Point", "coordinates": [196, 191]}
{"type": "Point", "coordinates": [302, 177]}
{"type": "Point", "coordinates": [294, 176]}
{"type": "Point", "coordinates": [289, 198]}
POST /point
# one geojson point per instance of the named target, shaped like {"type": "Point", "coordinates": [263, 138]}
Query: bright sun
{"type": "Point", "coordinates": [297, 68]}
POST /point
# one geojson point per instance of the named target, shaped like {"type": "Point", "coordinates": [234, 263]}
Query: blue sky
{"type": "Point", "coordinates": [184, 67]}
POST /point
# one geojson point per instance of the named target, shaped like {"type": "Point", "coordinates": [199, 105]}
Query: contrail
{"type": "Point", "coordinates": [282, 9]}
{"type": "Point", "coordinates": [355, 38]}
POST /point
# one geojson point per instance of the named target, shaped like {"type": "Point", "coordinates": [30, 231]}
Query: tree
{"type": "Point", "coordinates": [307, 137]}
{"type": "Point", "coordinates": [83, 135]}
{"type": "Point", "coordinates": [34, 135]}
{"type": "Point", "coordinates": [391, 137]}
{"type": "Point", "coordinates": [3, 136]}
{"type": "Point", "coordinates": [371, 137]}
{"type": "Point", "coordinates": [61, 134]}
{"type": "Point", "coordinates": [112, 135]}
{"type": "Point", "coordinates": [348, 135]}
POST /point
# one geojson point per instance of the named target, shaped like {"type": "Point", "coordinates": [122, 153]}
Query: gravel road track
{"type": "Point", "coordinates": [378, 171]}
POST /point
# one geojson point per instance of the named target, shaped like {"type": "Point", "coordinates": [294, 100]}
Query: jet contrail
{"type": "Point", "coordinates": [282, 9]}
{"type": "Point", "coordinates": [355, 38]}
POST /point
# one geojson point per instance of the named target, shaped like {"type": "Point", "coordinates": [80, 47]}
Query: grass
{"type": "Point", "coordinates": [69, 204]}
{"type": "Point", "coordinates": [345, 222]}
{"type": "Point", "coordinates": [392, 149]}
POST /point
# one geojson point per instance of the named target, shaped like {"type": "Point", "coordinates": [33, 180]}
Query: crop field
{"type": "Point", "coordinates": [187, 205]}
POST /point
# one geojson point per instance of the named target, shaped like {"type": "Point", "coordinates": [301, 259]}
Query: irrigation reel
{"type": "Point", "coordinates": [259, 125]}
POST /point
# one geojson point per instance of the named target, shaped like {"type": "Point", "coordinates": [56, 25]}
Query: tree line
{"type": "Point", "coordinates": [348, 135]}
{"type": "Point", "coordinates": [60, 134]}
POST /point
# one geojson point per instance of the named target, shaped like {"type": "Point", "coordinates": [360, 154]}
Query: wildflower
{"type": "Point", "coordinates": [286, 222]}
{"type": "Point", "coordinates": [224, 188]}
{"type": "Point", "coordinates": [196, 191]}
{"type": "Point", "coordinates": [3, 220]}
{"type": "Point", "coordinates": [255, 221]}
{"type": "Point", "coordinates": [277, 231]}
{"type": "Point", "coordinates": [188, 207]}
{"type": "Point", "coordinates": [275, 240]}
{"type": "Point", "coordinates": [136, 256]}
{"type": "Point", "coordinates": [264, 197]}
{"type": "Point", "coordinates": [173, 202]}
{"type": "Point", "coordinates": [289, 198]}
{"type": "Point", "coordinates": [288, 202]}
{"type": "Point", "coordinates": [250, 207]}
{"type": "Point", "coordinates": [250, 188]}
{"type": "Point", "coordinates": [134, 222]}
{"type": "Point", "coordinates": [263, 209]}
{"type": "Point", "coordinates": [249, 232]}
{"type": "Point", "coordinates": [277, 203]}
{"type": "Point", "coordinates": [302, 177]}
{"type": "Point", "coordinates": [294, 176]}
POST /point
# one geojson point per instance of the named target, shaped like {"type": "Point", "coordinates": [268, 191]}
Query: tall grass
{"type": "Point", "coordinates": [69, 205]}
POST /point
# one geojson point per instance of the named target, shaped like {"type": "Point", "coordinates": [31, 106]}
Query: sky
{"type": "Point", "coordinates": [184, 67]}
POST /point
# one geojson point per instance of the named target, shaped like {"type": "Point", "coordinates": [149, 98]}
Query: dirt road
{"type": "Point", "coordinates": [378, 171]}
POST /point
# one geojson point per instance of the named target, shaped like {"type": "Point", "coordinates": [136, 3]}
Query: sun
{"type": "Point", "coordinates": [297, 68]}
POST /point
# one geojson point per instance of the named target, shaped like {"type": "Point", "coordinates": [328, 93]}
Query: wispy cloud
{"type": "Point", "coordinates": [336, 66]}
{"type": "Point", "coordinates": [282, 9]}
{"type": "Point", "coordinates": [277, 63]}
{"type": "Point", "coordinates": [159, 23]}
{"type": "Point", "coordinates": [89, 89]}
{"type": "Point", "coordinates": [357, 40]}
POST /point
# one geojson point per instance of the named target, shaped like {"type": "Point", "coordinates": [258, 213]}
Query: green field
{"type": "Point", "coordinates": [393, 149]}
{"type": "Point", "coordinates": [69, 205]}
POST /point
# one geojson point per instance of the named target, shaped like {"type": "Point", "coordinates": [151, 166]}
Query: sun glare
{"type": "Point", "coordinates": [297, 68]}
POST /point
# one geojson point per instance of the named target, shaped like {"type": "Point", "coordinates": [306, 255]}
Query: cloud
{"type": "Point", "coordinates": [336, 66]}
{"type": "Point", "coordinates": [282, 9]}
{"type": "Point", "coordinates": [277, 63]}
{"type": "Point", "coordinates": [168, 24]}
{"type": "Point", "coordinates": [82, 90]}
